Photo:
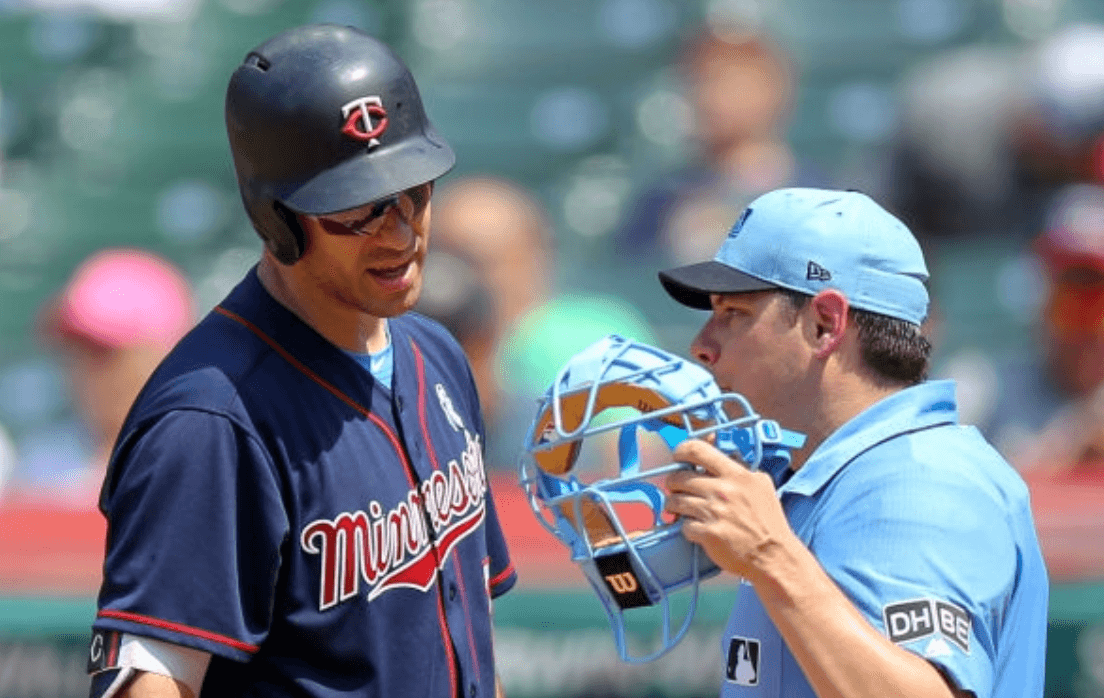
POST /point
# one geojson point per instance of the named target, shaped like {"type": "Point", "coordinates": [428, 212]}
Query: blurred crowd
{"type": "Point", "coordinates": [995, 143]}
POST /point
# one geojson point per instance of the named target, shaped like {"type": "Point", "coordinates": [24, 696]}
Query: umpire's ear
{"type": "Point", "coordinates": [828, 321]}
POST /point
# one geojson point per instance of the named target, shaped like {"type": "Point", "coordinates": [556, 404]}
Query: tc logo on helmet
{"type": "Point", "coordinates": [365, 119]}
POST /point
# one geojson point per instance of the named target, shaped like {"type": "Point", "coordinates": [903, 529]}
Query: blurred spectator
{"type": "Point", "coordinates": [741, 88]}
{"type": "Point", "coordinates": [530, 359]}
{"type": "Point", "coordinates": [456, 295]}
{"type": "Point", "coordinates": [990, 133]}
{"type": "Point", "coordinates": [112, 323]}
{"type": "Point", "coordinates": [505, 231]}
{"type": "Point", "coordinates": [1047, 410]}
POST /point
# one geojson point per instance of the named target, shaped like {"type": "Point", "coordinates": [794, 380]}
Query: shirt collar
{"type": "Point", "coordinates": [251, 301]}
{"type": "Point", "coordinates": [912, 409]}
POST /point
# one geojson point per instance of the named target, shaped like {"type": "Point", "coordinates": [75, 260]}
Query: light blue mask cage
{"type": "Point", "coordinates": [677, 400]}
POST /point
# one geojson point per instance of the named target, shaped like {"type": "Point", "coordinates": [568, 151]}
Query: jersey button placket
{"type": "Point", "coordinates": [471, 690]}
{"type": "Point", "coordinates": [452, 591]}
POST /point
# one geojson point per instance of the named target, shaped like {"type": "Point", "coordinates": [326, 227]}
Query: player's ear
{"type": "Point", "coordinates": [829, 321]}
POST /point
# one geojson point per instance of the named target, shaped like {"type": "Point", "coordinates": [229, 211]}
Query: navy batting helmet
{"type": "Point", "coordinates": [325, 118]}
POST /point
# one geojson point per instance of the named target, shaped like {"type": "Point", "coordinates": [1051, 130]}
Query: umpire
{"type": "Point", "coordinates": [897, 555]}
{"type": "Point", "coordinates": [297, 504]}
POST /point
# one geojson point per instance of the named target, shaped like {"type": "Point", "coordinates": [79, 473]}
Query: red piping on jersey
{"type": "Point", "coordinates": [177, 627]}
{"type": "Point", "coordinates": [407, 467]}
{"type": "Point", "coordinates": [501, 576]}
{"type": "Point", "coordinates": [419, 366]}
{"type": "Point", "coordinates": [328, 386]}
{"type": "Point", "coordinates": [467, 618]}
{"type": "Point", "coordinates": [442, 623]}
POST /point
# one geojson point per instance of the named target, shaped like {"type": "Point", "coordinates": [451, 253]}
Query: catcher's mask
{"type": "Point", "coordinates": [634, 563]}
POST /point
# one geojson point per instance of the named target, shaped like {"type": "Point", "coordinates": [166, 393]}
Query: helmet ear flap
{"type": "Point", "coordinates": [288, 241]}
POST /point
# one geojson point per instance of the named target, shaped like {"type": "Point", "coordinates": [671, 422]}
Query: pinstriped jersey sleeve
{"type": "Point", "coordinates": [195, 525]}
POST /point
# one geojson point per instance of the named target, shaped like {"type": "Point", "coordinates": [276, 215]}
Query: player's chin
{"type": "Point", "coordinates": [397, 301]}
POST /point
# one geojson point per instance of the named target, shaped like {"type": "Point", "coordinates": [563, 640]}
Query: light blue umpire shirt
{"type": "Point", "coordinates": [929, 532]}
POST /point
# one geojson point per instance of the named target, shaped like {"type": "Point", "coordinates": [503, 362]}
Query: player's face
{"type": "Point", "coordinates": [371, 258]}
{"type": "Point", "coordinates": [753, 345]}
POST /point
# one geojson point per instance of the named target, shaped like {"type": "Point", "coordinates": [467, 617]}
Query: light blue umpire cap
{"type": "Point", "coordinates": [808, 240]}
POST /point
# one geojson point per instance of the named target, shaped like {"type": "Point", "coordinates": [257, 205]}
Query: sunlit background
{"type": "Point", "coordinates": [112, 134]}
{"type": "Point", "coordinates": [111, 127]}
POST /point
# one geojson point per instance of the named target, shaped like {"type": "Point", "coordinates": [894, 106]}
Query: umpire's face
{"type": "Point", "coordinates": [369, 259]}
{"type": "Point", "coordinates": [756, 344]}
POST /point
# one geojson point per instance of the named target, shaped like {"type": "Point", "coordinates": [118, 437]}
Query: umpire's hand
{"type": "Point", "coordinates": [732, 512]}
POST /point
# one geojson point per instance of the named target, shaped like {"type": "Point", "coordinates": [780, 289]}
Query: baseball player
{"type": "Point", "coordinates": [897, 554]}
{"type": "Point", "coordinates": [297, 503]}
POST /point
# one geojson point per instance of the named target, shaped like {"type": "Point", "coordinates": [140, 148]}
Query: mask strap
{"type": "Point", "coordinates": [628, 453]}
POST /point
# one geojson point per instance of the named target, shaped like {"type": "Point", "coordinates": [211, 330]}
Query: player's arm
{"type": "Point", "coordinates": [149, 668]}
{"type": "Point", "coordinates": [148, 685]}
{"type": "Point", "coordinates": [736, 516]}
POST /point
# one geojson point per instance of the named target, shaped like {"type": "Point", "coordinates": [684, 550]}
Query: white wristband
{"type": "Point", "coordinates": [184, 664]}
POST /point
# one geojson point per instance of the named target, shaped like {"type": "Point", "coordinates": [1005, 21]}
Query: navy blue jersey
{"type": "Point", "coordinates": [271, 503]}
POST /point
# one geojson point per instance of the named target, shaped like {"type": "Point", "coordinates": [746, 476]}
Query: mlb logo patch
{"type": "Point", "coordinates": [742, 665]}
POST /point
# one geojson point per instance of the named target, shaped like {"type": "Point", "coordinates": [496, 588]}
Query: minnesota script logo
{"type": "Point", "coordinates": [393, 549]}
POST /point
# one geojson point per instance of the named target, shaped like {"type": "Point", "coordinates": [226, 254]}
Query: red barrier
{"type": "Point", "coordinates": [50, 551]}
{"type": "Point", "coordinates": [47, 550]}
{"type": "Point", "coordinates": [1069, 516]}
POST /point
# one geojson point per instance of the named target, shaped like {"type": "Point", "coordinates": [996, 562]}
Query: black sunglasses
{"type": "Point", "coordinates": [418, 197]}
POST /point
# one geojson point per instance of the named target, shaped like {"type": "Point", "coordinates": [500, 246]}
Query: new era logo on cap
{"type": "Point", "coordinates": [815, 272]}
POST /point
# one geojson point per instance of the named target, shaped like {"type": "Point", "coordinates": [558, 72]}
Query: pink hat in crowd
{"type": "Point", "coordinates": [123, 297]}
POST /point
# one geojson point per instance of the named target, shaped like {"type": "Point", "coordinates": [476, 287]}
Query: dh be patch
{"type": "Point", "coordinates": [911, 620]}
{"type": "Point", "coordinates": [742, 665]}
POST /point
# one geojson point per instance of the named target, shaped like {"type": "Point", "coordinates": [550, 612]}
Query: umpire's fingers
{"type": "Point", "coordinates": [690, 501]}
{"type": "Point", "coordinates": [707, 457]}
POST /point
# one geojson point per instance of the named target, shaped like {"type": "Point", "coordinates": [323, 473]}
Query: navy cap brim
{"type": "Point", "coordinates": [372, 176]}
{"type": "Point", "coordinates": [692, 284]}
